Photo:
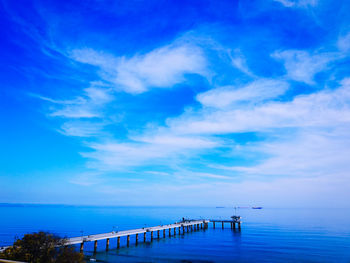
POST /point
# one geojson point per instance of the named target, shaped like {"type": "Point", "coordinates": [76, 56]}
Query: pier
{"type": "Point", "coordinates": [172, 229]}
{"type": "Point", "coordinates": [178, 228]}
{"type": "Point", "coordinates": [235, 220]}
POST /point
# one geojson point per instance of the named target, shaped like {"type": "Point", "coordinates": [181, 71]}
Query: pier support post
{"type": "Point", "coordinates": [158, 234]}
{"type": "Point", "coordinates": [201, 225]}
{"type": "Point", "coordinates": [197, 226]}
{"type": "Point", "coordinates": [95, 246]}
{"type": "Point", "coordinates": [174, 231]}
{"type": "Point", "coordinates": [187, 228]}
{"type": "Point", "coordinates": [234, 225]}
{"type": "Point", "coordinates": [179, 230]}
{"type": "Point", "coordinates": [183, 230]}
{"type": "Point", "coordinates": [81, 247]}
{"type": "Point", "coordinates": [127, 240]}
{"type": "Point", "coordinates": [222, 224]}
{"type": "Point", "coordinates": [137, 239]}
{"type": "Point", "coordinates": [118, 242]}
{"type": "Point", "coordinates": [151, 235]}
{"type": "Point", "coordinates": [169, 232]}
{"type": "Point", "coordinates": [107, 244]}
{"type": "Point", "coordinates": [163, 232]}
{"type": "Point", "coordinates": [213, 224]}
{"type": "Point", "coordinates": [239, 226]}
{"type": "Point", "coordinates": [144, 237]}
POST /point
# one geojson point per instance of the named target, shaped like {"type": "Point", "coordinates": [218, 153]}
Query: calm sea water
{"type": "Point", "coordinates": [268, 235]}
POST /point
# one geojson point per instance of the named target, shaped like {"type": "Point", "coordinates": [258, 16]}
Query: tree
{"type": "Point", "coordinates": [42, 247]}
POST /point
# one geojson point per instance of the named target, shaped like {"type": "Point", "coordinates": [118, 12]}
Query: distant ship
{"type": "Point", "coordinates": [256, 207]}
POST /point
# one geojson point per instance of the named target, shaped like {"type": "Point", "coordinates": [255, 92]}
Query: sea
{"type": "Point", "coordinates": [267, 234]}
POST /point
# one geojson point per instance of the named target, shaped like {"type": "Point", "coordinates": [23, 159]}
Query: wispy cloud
{"type": "Point", "coordinates": [82, 128]}
{"type": "Point", "coordinates": [157, 149]}
{"type": "Point", "coordinates": [256, 91]}
{"type": "Point", "coordinates": [161, 68]}
{"type": "Point", "coordinates": [321, 109]}
{"type": "Point", "coordinates": [298, 3]}
{"type": "Point", "coordinates": [87, 106]}
{"type": "Point", "coordinates": [240, 62]}
{"type": "Point", "coordinates": [307, 153]}
{"type": "Point", "coordinates": [343, 43]}
{"type": "Point", "coordinates": [303, 66]}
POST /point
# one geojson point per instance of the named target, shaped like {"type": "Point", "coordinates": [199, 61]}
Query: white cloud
{"type": "Point", "coordinates": [239, 61]}
{"type": "Point", "coordinates": [322, 109]}
{"type": "Point", "coordinates": [162, 67]}
{"type": "Point", "coordinates": [253, 92]}
{"type": "Point", "coordinates": [298, 3]}
{"type": "Point", "coordinates": [87, 106]}
{"type": "Point", "coordinates": [82, 128]}
{"type": "Point", "coordinates": [344, 43]}
{"type": "Point", "coordinates": [158, 148]}
{"type": "Point", "coordinates": [302, 66]}
{"type": "Point", "coordinates": [87, 179]}
{"type": "Point", "coordinates": [307, 153]}
{"type": "Point", "coordinates": [194, 133]}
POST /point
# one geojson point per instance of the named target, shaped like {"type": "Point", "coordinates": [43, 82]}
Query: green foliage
{"type": "Point", "coordinates": [42, 247]}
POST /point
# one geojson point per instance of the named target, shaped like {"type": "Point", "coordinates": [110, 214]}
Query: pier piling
{"type": "Point", "coordinates": [107, 244]}
{"type": "Point", "coordinates": [127, 240]}
{"type": "Point", "coordinates": [95, 246]}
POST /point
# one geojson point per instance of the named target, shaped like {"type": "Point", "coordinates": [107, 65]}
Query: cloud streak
{"type": "Point", "coordinates": [160, 68]}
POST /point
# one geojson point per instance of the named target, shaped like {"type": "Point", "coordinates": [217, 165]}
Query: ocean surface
{"type": "Point", "coordinates": [267, 235]}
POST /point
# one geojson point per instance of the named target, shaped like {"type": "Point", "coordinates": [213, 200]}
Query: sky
{"type": "Point", "coordinates": [196, 102]}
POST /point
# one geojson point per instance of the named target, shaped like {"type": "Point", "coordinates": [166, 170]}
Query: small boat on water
{"type": "Point", "coordinates": [256, 207]}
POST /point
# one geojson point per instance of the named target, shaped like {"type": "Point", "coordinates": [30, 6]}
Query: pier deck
{"type": "Point", "coordinates": [184, 226]}
{"type": "Point", "coordinates": [173, 229]}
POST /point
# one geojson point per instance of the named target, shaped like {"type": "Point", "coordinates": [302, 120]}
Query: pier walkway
{"type": "Point", "coordinates": [177, 228]}
{"type": "Point", "coordinates": [172, 229]}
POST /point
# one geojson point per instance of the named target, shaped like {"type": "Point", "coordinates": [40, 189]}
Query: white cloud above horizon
{"type": "Point", "coordinates": [298, 3]}
{"type": "Point", "coordinates": [302, 66]}
{"type": "Point", "coordinates": [254, 92]}
{"type": "Point", "coordinates": [301, 134]}
{"type": "Point", "coordinates": [161, 68]}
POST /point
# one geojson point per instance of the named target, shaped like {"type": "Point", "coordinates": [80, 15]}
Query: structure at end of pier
{"type": "Point", "coordinates": [235, 220]}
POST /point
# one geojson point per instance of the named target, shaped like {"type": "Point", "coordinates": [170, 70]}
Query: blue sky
{"type": "Point", "coordinates": [175, 102]}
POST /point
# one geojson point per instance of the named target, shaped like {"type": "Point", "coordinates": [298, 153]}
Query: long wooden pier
{"type": "Point", "coordinates": [172, 229]}
{"type": "Point", "coordinates": [177, 228]}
